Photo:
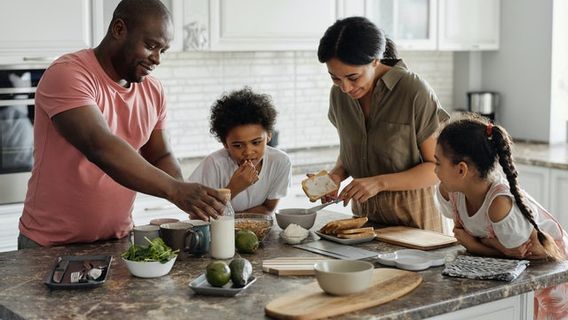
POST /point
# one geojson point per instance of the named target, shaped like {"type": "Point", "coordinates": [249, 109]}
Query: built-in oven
{"type": "Point", "coordinates": [17, 90]}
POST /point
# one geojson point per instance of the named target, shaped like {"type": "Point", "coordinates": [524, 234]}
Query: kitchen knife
{"type": "Point", "coordinates": [60, 269]}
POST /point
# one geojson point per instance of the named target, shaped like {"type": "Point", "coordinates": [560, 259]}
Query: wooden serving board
{"type": "Point", "coordinates": [291, 266]}
{"type": "Point", "coordinates": [310, 302]}
{"type": "Point", "coordinates": [414, 238]}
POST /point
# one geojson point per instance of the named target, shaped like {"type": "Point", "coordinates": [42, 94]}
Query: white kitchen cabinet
{"type": "Point", "coordinates": [40, 30]}
{"type": "Point", "coordinates": [246, 25]}
{"type": "Point", "coordinates": [102, 15]}
{"type": "Point", "coordinates": [549, 187]}
{"type": "Point", "coordinates": [468, 25]}
{"type": "Point", "coordinates": [513, 308]}
{"type": "Point", "coordinates": [535, 181]}
{"type": "Point", "coordinates": [9, 219]}
{"type": "Point", "coordinates": [559, 195]}
{"type": "Point", "coordinates": [411, 24]}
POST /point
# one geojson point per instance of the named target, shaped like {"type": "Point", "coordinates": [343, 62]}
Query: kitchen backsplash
{"type": "Point", "coordinates": [297, 82]}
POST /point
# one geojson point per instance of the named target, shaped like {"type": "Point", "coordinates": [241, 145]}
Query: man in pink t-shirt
{"type": "Point", "coordinates": [99, 137]}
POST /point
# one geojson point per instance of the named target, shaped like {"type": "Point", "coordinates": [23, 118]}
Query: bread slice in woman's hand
{"type": "Point", "coordinates": [319, 185]}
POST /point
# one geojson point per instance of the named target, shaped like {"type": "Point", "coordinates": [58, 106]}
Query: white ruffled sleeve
{"type": "Point", "coordinates": [514, 229]}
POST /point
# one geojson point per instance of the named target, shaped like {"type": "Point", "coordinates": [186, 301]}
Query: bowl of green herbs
{"type": "Point", "coordinates": [155, 260]}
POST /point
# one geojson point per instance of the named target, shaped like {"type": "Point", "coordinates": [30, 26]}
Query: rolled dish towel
{"type": "Point", "coordinates": [485, 268]}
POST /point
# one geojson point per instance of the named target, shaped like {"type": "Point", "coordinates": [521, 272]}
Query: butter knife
{"type": "Point", "coordinates": [60, 269]}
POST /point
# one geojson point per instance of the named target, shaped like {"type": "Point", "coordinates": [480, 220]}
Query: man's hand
{"type": "Point", "coordinates": [199, 201]}
{"type": "Point", "coordinates": [244, 177]}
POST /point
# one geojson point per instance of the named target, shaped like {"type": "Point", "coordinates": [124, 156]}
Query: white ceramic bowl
{"type": "Point", "coordinates": [149, 269]}
{"type": "Point", "coordinates": [300, 217]}
{"type": "Point", "coordinates": [344, 277]}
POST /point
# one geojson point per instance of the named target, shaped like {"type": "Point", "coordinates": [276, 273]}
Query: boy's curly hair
{"type": "Point", "coordinates": [241, 107]}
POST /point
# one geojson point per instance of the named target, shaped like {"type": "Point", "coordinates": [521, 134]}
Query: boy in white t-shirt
{"type": "Point", "coordinates": [258, 175]}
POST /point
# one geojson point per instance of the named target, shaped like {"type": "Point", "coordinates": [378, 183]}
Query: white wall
{"type": "Point", "coordinates": [559, 102]}
{"type": "Point", "coordinates": [297, 82]}
{"type": "Point", "coordinates": [520, 70]}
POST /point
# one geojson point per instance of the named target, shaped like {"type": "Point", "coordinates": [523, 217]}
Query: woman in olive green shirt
{"type": "Point", "coordinates": [386, 117]}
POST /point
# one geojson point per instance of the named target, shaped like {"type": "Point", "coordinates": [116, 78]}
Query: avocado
{"type": "Point", "coordinates": [241, 271]}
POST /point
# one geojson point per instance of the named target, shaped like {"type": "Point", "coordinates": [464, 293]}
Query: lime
{"type": "Point", "coordinates": [218, 273]}
{"type": "Point", "coordinates": [246, 241]}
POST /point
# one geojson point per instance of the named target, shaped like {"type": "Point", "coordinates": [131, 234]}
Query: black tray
{"type": "Point", "coordinates": [76, 264]}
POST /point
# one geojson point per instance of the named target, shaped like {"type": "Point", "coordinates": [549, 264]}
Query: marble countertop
{"type": "Point", "coordinates": [541, 154]}
{"type": "Point", "coordinates": [24, 296]}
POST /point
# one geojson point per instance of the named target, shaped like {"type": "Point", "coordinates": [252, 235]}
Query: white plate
{"type": "Point", "coordinates": [411, 259]}
{"type": "Point", "coordinates": [201, 286]}
{"type": "Point", "coordinates": [345, 241]}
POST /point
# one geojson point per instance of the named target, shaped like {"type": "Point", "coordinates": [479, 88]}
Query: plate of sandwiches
{"type": "Point", "coordinates": [347, 231]}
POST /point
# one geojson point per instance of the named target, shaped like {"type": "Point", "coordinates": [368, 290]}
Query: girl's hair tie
{"type": "Point", "coordinates": [489, 131]}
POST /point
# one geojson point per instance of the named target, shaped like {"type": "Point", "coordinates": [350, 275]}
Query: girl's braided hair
{"type": "Point", "coordinates": [474, 140]}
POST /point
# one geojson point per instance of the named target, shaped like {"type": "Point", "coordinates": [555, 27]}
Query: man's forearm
{"type": "Point", "coordinates": [170, 165]}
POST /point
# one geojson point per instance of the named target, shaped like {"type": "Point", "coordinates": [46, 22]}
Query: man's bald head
{"type": "Point", "coordinates": [135, 12]}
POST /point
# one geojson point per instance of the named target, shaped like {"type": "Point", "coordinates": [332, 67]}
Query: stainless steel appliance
{"type": "Point", "coordinates": [17, 90]}
{"type": "Point", "coordinates": [484, 103]}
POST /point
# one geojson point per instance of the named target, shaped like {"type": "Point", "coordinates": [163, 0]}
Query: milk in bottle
{"type": "Point", "coordinates": [223, 231]}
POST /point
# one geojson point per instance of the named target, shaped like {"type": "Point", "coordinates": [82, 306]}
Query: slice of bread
{"type": "Point", "coordinates": [319, 185]}
{"type": "Point", "coordinates": [360, 235]}
{"type": "Point", "coordinates": [335, 226]}
{"type": "Point", "coordinates": [356, 230]}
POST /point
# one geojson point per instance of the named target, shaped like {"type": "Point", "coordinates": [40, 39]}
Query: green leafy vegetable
{"type": "Point", "coordinates": [156, 251]}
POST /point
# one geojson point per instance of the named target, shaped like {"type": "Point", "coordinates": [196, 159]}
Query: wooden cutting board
{"type": "Point", "coordinates": [414, 238]}
{"type": "Point", "coordinates": [310, 302]}
{"type": "Point", "coordinates": [291, 266]}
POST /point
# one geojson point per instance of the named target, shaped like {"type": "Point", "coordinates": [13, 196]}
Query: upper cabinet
{"type": "Point", "coordinates": [269, 25]}
{"type": "Point", "coordinates": [102, 15]}
{"type": "Point", "coordinates": [410, 23]}
{"type": "Point", "coordinates": [39, 29]}
{"type": "Point", "coordinates": [469, 25]}
{"type": "Point", "coordinates": [432, 24]}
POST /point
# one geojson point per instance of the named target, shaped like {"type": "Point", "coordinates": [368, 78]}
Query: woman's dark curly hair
{"type": "Point", "coordinates": [241, 107]}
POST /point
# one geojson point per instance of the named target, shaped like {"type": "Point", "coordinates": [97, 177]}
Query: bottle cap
{"type": "Point", "coordinates": [226, 193]}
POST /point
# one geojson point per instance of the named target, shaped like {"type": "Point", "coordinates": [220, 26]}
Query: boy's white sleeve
{"type": "Point", "coordinates": [282, 179]}
{"type": "Point", "coordinates": [444, 205]}
{"type": "Point", "coordinates": [207, 173]}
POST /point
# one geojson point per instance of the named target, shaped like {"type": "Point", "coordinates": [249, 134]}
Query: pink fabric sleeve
{"type": "Point", "coordinates": [65, 86]}
{"type": "Point", "coordinates": [162, 112]}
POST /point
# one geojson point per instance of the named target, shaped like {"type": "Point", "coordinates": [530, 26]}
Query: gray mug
{"type": "Point", "coordinates": [140, 233]}
{"type": "Point", "coordinates": [187, 237]}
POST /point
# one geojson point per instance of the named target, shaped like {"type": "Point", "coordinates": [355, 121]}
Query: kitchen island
{"type": "Point", "coordinates": [23, 294]}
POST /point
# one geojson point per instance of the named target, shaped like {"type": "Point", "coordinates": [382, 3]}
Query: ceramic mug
{"type": "Point", "coordinates": [192, 238]}
{"type": "Point", "coordinates": [139, 233]}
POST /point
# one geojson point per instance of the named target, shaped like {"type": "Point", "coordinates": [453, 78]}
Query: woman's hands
{"type": "Point", "coordinates": [245, 176]}
{"type": "Point", "coordinates": [362, 189]}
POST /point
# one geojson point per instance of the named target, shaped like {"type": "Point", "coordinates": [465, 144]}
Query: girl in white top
{"type": "Point", "coordinates": [258, 175]}
{"type": "Point", "coordinates": [494, 216]}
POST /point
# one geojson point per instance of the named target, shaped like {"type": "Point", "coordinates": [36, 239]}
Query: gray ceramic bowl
{"type": "Point", "coordinates": [301, 217]}
{"type": "Point", "coordinates": [343, 277]}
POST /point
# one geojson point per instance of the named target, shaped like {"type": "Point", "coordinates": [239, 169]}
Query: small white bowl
{"type": "Point", "coordinates": [344, 277]}
{"type": "Point", "coordinates": [301, 217]}
{"type": "Point", "coordinates": [149, 269]}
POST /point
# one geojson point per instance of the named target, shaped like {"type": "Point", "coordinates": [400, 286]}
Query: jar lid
{"type": "Point", "coordinates": [225, 192]}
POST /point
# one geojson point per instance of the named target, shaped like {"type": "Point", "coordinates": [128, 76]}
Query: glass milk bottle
{"type": "Point", "coordinates": [223, 231]}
